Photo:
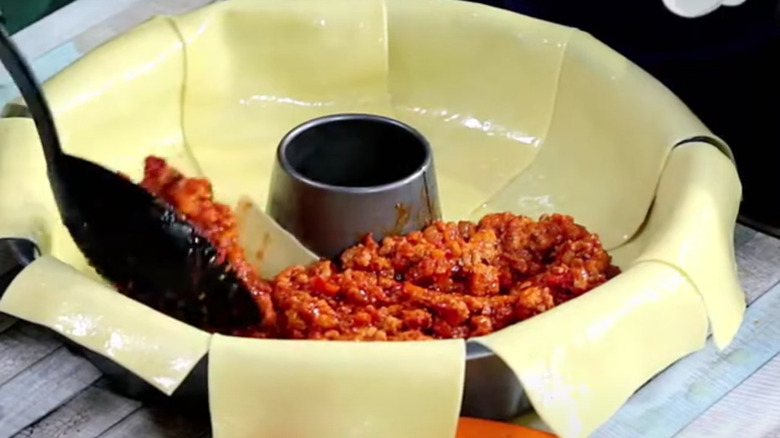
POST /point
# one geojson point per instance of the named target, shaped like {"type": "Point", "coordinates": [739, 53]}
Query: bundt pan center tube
{"type": "Point", "coordinates": [337, 178]}
{"type": "Point", "coordinates": [546, 120]}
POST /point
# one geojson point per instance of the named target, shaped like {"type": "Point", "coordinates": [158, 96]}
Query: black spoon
{"type": "Point", "coordinates": [131, 238]}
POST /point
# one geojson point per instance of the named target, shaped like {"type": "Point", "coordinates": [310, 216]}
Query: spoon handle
{"type": "Point", "coordinates": [28, 85]}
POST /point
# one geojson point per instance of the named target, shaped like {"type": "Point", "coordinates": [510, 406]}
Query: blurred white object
{"type": "Point", "coordinates": [697, 8]}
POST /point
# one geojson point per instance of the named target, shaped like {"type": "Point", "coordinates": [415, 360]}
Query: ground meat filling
{"type": "Point", "coordinates": [450, 280]}
{"type": "Point", "coordinates": [193, 198]}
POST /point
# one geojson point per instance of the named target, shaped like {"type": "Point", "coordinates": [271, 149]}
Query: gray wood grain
{"type": "Point", "coordinates": [756, 399]}
{"type": "Point", "coordinates": [753, 407]}
{"type": "Point", "coordinates": [758, 261]}
{"type": "Point", "coordinates": [131, 17]}
{"type": "Point", "coordinates": [87, 415]}
{"type": "Point", "coordinates": [64, 25]}
{"type": "Point", "coordinates": [743, 235]}
{"type": "Point", "coordinates": [157, 423]}
{"type": "Point", "coordinates": [41, 388]}
{"type": "Point", "coordinates": [22, 346]}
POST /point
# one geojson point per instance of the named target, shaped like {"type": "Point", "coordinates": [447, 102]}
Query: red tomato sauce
{"type": "Point", "coordinates": [450, 280]}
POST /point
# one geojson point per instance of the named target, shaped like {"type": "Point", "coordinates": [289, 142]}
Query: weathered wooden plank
{"type": "Point", "coordinates": [95, 23]}
{"type": "Point", "coordinates": [41, 388]}
{"type": "Point", "coordinates": [751, 410]}
{"type": "Point", "coordinates": [688, 388]}
{"type": "Point", "coordinates": [758, 261]}
{"type": "Point", "coordinates": [64, 25]}
{"type": "Point", "coordinates": [130, 18]}
{"type": "Point", "coordinates": [22, 346]}
{"type": "Point", "coordinates": [742, 235]}
{"type": "Point", "coordinates": [158, 423]}
{"type": "Point", "coordinates": [87, 415]}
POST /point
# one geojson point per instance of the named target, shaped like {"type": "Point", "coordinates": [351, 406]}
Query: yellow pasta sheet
{"type": "Point", "coordinates": [691, 228]}
{"type": "Point", "coordinates": [580, 362]}
{"type": "Point", "coordinates": [308, 389]}
{"type": "Point", "coordinates": [159, 349]}
{"type": "Point", "coordinates": [256, 69]}
{"type": "Point", "coordinates": [267, 246]}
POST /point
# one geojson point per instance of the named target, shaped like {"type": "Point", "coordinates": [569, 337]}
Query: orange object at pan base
{"type": "Point", "coordinates": [475, 428]}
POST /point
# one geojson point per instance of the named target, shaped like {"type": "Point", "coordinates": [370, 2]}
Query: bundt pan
{"type": "Point", "coordinates": [522, 115]}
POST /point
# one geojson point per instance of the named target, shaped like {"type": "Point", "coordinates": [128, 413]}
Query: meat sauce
{"type": "Point", "coordinates": [450, 280]}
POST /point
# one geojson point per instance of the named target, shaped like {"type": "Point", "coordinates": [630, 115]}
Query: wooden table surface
{"type": "Point", "coordinates": [48, 392]}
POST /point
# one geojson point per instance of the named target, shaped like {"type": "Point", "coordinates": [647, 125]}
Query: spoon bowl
{"type": "Point", "coordinates": [134, 240]}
